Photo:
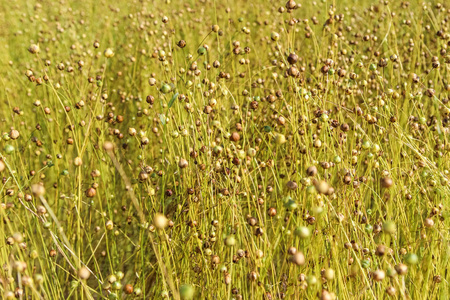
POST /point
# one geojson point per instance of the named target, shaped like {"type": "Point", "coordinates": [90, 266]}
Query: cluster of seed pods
{"type": "Point", "coordinates": [225, 150]}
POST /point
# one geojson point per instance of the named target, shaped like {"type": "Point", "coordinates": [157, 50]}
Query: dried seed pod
{"type": "Point", "coordinates": [14, 134]}
{"type": "Point", "coordinates": [292, 185]}
{"type": "Point", "coordinates": [34, 49]}
{"type": "Point", "coordinates": [182, 163]}
{"type": "Point", "coordinates": [235, 137]}
{"type": "Point", "coordinates": [311, 171]}
{"type": "Point", "coordinates": [84, 273]}
{"type": "Point", "coordinates": [292, 58]}
{"type": "Point", "coordinates": [386, 182]}
{"type": "Point", "coordinates": [91, 192]}
{"type": "Point", "coordinates": [298, 258]}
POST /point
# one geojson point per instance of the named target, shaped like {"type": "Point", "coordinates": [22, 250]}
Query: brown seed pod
{"type": "Point", "coordinates": [430, 93]}
{"type": "Point", "coordinates": [52, 253]}
{"type": "Point", "coordinates": [298, 258]}
{"type": "Point", "coordinates": [143, 176]}
{"type": "Point", "coordinates": [292, 250]}
{"type": "Point", "coordinates": [182, 163]}
{"type": "Point", "coordinates": [252, 221]}
{"type": "Point", "coordinates": [91, 192]}
{"type": "Point", "coordinates": [272, 212]}
{"type": "Point", "coordinates": [322, 187]}
{"type": "Point", "coordinates": [311, 171]}
{"type": "Point", "coordinates": [291, 5]}
{"type": "Point", "coordinates": [428, 222]}
{"type": "Point", "coordinates": [292, 185]}
{"type": "Point", "coordinates": [381, 250]}
{"type": "Point", "coordinates": [254, 105]}
{"type": "Point", "coordinates": [292, 58]}
{"type": "Point", "coordinates": [259, 231]}
{"type": "Point", "coordinates": [401, 269]}
{"type": "Point", "coordinates": [128, 289]}
{"type": "Point", "coordinates": [33, 49]}
{"type": "Point", "coordinates": [252, 276]}
{"type": "Point", "coordinates": [386, 182]}
{"type": "Point", "coordinates": [378, 275]}
{"type": "Point", "coordinates": [150, 99]}
{"type": "Point", "coordinates": [235, 137]}
{"type": "Point", "coordinates": [293, 71]}
{"type": "Point", "coordinates": [215, 260]}
{"type": "Point", "coordinates": [14, 134]}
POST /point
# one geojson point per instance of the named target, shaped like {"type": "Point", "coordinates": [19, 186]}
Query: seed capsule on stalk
{"type": "Point", "coordinates": [298, 258]}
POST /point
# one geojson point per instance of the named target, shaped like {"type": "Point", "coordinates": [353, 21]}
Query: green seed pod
{"type": "Point", "coordinates": [73, 284]}
{"type": "Point", "coordinates": [365, 263]}
{"type": "Point", "coordinates": [311, 280]}
{"type": "Point", "coordinates": [280, 139]}
{"type": "Point", "coordinates": [138, 292]}
{"type": "Point", "coordinates": [187, 291]}
{"type": "Point", "coordinates": [412, 259]}
{"type": "Point", "coordinates": [201, 51]}
{"type": "Point", "coordinates": [165, 88]}
{"type": "Point", "coordinates": [38, 279]}
{"type": "Point", "coordinates": [9, 149]}
{"type": "Point", "coordinates": [116, 285]}
{"type": "Point", "coordinates": [389, 227]}
{"type": "Point", "coordinates": [311, 190]}
{"type": "Point", "coordinates": [302, 232]}
{"type": "Point", "coordinates": [337, 159]}
{"type": "Point", "coordinates": [290, 204]}
{"type": "Point", "coordinates": [34, 254]}
{"type": "Point", "coordinates": [113, 296]}
{"type": "Point", "coordinates": [230, 241]}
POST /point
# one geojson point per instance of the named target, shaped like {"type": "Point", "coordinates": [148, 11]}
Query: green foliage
{"type": "Point", "coordinates": [159, 149]}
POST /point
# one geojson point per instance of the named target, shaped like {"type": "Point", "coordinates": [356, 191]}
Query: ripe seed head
{"type": "Point", "coordinates": [14, 134]}
{"type": "Point", "coordinates": [386, 182]}
{"type": "Point", "coordinates": [128, 289]}
{"type": "Point", "coordinates": [298, 258]}
{"type": "Point", "coordinates": [378, 275]}
{"type": "Point", "coordinates": [84, 273]}
{"type": "Point", "coordinates": [235, 137]}
{"type": "Point", "coordinates": [91, 192]}
{"type": "Point", "coordinates": [230, 241]}
{"type": "Point", "coordinates": [428, 222]}
{"type": "Point", "coordinates": [183, 163]}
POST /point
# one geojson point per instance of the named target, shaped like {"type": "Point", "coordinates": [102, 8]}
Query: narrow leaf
{"type": "Point", "coordinates": [172, 101]}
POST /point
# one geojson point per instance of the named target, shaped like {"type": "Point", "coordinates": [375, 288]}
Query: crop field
{"type": "Point", "coordinates": [208, 149]}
